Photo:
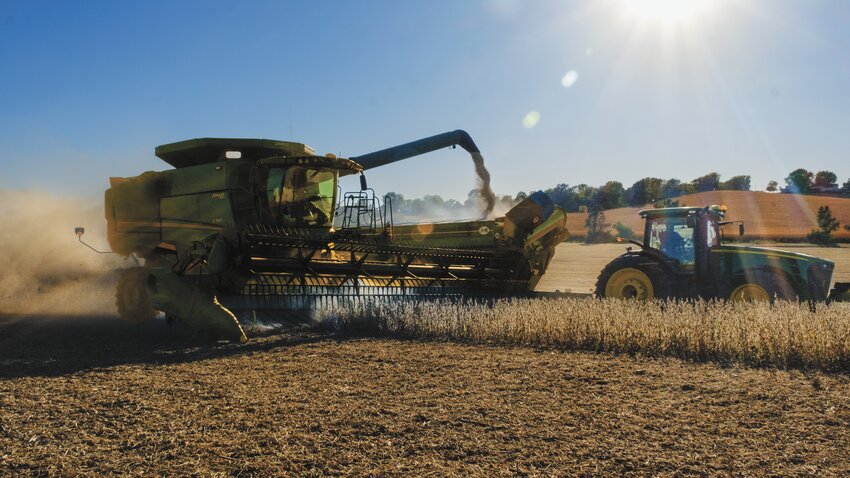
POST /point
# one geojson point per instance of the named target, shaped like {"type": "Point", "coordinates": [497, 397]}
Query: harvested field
{"type": "Point", "coordinates": [95, 396]}
{"type": "Point", "coordinates": [768, 216]}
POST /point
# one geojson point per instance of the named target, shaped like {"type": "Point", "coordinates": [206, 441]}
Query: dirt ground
{"type": "Point", "coordinates": [95, 396]}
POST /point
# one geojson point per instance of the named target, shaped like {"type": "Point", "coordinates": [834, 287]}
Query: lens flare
{"type": "Point", "coordinates": [667, 11]}
{"type": "Point", "coordinates": [531, 119]}
{"type": "Point", "coordinates": [569, 79]}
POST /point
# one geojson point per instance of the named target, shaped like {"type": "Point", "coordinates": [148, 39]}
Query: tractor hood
{"type": "Point", "coordinates": [770, 253]}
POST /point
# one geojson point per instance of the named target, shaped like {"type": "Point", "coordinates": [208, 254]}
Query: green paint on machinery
{"type": "Point", "coordinates": [247, 228]}
{"type": "Point", "coordinates": [683, 256]}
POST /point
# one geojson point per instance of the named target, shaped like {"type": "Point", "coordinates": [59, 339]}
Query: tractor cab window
{"type": "Point", "coordinates": [674, 236]}
{"type": "Point", "coordinates": [712, 237]}
{"type": "Point", "coordinates": [301, 196]}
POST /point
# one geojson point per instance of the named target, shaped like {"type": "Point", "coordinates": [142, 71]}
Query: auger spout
{"type": "Point", "coordinates": [457, 137]}
{"type": "Point", "coordinates": [383, 157]}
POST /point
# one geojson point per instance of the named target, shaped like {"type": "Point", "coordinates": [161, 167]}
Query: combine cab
{"type": "Point", "coordinates": [682, 256]}
{"type": "Point", "coordinates": [245, 228]}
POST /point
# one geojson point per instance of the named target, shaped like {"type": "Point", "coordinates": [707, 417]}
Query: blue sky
{"type": "Point", "coordinates": [742, 87]}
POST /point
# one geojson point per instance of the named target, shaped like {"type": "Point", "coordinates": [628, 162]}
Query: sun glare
{"type": "Point", "coordinates": [667, 11]}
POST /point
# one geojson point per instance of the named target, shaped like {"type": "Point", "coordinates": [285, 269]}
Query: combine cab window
{"type": "Point", "coordinates": [300, 196]}
{"type": "Point", "coordinates": [673, 236]}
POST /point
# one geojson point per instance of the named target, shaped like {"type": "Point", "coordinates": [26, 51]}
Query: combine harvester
{"type": "Point", "coordinates": [243, 229]}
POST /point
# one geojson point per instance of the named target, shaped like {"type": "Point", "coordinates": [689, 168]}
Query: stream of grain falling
{"type": "Point", "coordinates": [484, 185]}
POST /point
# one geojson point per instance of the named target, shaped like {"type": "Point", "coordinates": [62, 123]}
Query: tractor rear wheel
{"type": "Point", "coordinates": [132, 297]}
{"type": "Point", "coordinates": [759, 286]}
{"type": "Point", "coordinates": [634, 277]}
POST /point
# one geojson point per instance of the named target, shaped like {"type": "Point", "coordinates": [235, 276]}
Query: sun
{"type": "Point", "coordinates": [667, 11]}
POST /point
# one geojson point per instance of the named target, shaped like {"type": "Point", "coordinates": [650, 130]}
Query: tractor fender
{"type": "Point", "coordinates": [840, 293]}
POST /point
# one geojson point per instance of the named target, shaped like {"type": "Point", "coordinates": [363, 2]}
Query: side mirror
{"type": "Point", "coordinates": [741, 229]}
{"type": "Point", "coordinates": [363, 186]}
{"type": "Point", "coordinates": [79, 231]}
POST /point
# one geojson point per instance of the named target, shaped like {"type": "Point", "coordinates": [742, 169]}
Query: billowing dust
{"type": "Point", "coordinates": [484, 185]}
{"type": "Point", "coordinates": [45, 270]}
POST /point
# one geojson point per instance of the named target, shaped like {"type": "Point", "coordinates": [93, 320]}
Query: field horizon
{"type": "Point", "coordinates": [767, 216]}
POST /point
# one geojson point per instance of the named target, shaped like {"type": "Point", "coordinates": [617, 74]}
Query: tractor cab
{"type": "Point", "coordinates": [683, 235]}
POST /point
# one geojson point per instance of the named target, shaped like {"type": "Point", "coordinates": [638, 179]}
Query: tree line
{"type": "Point", "coordinates": [613, 194]}
{"type": "Point", "coordinates": [802, 181]}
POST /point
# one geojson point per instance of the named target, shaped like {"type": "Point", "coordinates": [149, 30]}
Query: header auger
{"type": "Point", "coordinates": [251, 228]}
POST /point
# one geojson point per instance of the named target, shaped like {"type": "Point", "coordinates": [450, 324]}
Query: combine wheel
{"type": "Point", "coordinates": [132, 297]}
{"type": "Point", "coordinates": [633, 277]}
{"type": "Point", "coordinates": [760, 286]}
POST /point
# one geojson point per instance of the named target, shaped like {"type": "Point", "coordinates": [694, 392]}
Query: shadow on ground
{"type": "Point", "coordinates": [62, 345]}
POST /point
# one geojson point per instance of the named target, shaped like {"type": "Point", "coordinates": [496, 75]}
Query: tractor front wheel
{"type": "Point", "coordinates": [633, 277]}
{"type": "Point", "coordinates": [132, 297]}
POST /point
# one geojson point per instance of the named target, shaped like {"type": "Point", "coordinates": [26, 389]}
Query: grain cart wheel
{"type": "Point", "coordinates": [132, 298]}
{"type": "Point", "coordinates": [759, 286]}
{"type": "Point", "coordinates": [633, 277]}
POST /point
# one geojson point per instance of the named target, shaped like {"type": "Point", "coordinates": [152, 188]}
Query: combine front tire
{"type": "Point", "coordinates": [633, 277]}
{"type": "Point", "coordinates": [132, 297]}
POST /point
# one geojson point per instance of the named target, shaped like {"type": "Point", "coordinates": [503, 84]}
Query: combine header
{"type": "Point", "coordinates": [248, 228]}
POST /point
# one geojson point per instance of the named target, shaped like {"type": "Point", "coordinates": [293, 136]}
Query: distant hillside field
{"type": "Point", "coordinates": [768, 216]}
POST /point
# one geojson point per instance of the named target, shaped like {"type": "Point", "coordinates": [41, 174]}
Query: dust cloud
{"type": "Point", "coordinates": [44, 269]}
{"type": "Point", "coordinates": [484, 185]}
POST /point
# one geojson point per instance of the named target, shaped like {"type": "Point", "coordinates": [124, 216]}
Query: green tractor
{"type": "Point", "coordinates": [683, 256]}
{"type": "Point", "coordinates": [248, 229]}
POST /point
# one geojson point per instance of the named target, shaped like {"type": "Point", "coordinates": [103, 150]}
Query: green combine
{"type": "Point", "coordinates": [243, 229]}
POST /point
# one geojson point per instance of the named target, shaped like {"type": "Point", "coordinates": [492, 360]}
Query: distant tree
{"type": "Point", "coordinates": [736, 183]}
{"type": "Point", "coordinates": [671, 188]}
{"type": "Point", "coordinates": [584, 194]}
{"type": "Point", "coordinates": [826, 179]}
{"type": "Point", "coordinates": [611, 195]}
{"type": "Point", "coordinates": [563, 195]}
{"type": "Point", "coordinates": [845, 188]}
{"type": "Point", "coordinates": [597, 229]}
{"type": "Point", "coordinates": [644, 191]}
{"type": "Point", "coordinates": [772, 186]}
{"type": "Point", "coordinates": [800, 181]}
{"type": "Point", "coordinates": [473, 198]}
{"type": "Point", "coordinates": [624, 231]}
{"type": "Point", "coordinates": [709, 182]}
{"type": "Point", "coordinates": [520, 196]}
{"type": "Point", "coordinates": [827, 224]}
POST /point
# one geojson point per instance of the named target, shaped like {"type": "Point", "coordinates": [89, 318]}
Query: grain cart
{"type": "Point", "coordinates": [243, 229]}
{"type": "Point", "coordinates": [683, 256]}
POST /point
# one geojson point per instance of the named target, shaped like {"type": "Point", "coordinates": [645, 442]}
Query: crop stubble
{"type": "Point", "coordinates": [94, 396]}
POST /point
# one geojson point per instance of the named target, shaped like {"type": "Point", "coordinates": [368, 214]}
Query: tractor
{"type": "Point", "coordinates": [683, 256]}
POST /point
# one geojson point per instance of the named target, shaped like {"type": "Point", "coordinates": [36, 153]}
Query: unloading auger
{"type": "Point", "coordinates": [248, 229]}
